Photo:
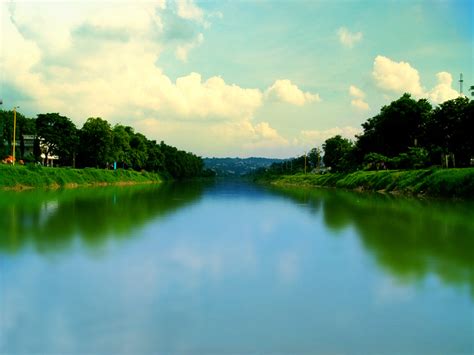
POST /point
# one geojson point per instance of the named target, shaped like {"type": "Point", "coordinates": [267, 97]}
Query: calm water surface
{"type": "Point", "coordinates": [230, 268]}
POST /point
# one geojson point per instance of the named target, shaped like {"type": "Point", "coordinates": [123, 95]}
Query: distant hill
{"type": "Point", "coordinates": [230, 167]}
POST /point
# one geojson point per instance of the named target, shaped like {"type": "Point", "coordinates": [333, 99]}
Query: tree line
{"type": "Point", "coordinates": [97, 144]}
{"type": "Point", "coordinates": [406, 134]}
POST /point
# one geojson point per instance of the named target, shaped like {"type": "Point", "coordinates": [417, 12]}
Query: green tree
{"type": "Point", "coordinates": [58, 135]}
{"type": "Point", "coordinates": [139, 156]}
{"type": "Point", "coordinates": [155, 161]}
{"type": "Point", "coordinates": [449, 130]}
{"type": "Point", "coordinates": [95, 143]}
{"type": "Point", "coordinates": [338, 153]}
{"type": "Point", "coordinates": [24, 125]}
{"type": "Point", "coordinates": [120, 150]}
{"type": "Point", "coordinates": [397, 127]}
{"type": "Point", "coordinates": [314, 157]}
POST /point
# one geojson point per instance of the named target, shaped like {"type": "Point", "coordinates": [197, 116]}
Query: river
{"type": "Point", "coordinates": [234, 268]}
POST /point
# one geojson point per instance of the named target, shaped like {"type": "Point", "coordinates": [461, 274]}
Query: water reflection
{"type": "Point", "coordinates": [231, 269]}
{"type": "Point", "coordinates": [411, 238]}
{"type": "Point", "coordinates": [51, 220]}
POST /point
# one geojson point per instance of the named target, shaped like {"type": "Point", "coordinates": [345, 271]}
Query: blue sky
{"type": "Point", "coordinates": [232, 78]}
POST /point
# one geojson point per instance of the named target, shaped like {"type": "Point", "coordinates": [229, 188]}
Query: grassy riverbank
{"type": "Point", "coordinates": [19, 177]}
{"type": "Point", "coordinates": [432, 182]}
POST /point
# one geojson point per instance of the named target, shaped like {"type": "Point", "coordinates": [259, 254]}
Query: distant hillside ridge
{"type": "Point", "coordinates": [236, 167]}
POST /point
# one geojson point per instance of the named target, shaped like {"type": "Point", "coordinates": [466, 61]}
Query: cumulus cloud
{"type": "Point", "coordinates": [223, 137]}
{"type": "Point", "coordinates": [187, 9]}
{"type": "Point", "coordinates": [317, 137]}
{"type": "Point", "coordinates": [347, 38]}
{"type": "Point", "coordinates": [266, 135]}
{"type": "Point", "coordinates": [112, 77]}
{"type": "Point", "coordinates": [356, 92]}
{"type": "Point", "coordinates": [443, 90]}
{"type": "Point", "coordinates": [401, 77]}
{"type": "Point", "coordinates": [394, 76]}
{"type": "Point", "coordinates": [191, 97]}
{"type": "Point", "coordinates": [285, 91]}
{"type": "Point", "coordinates": [100, 60]}
{"type": "Point", "coordinates": [360, 104]}
{"type": "Point", "coordinates": [258, 136]}
{"type": "Point", "coordinates": [358, 100]}
{"type": "Point", "coordinates": [183, 49]}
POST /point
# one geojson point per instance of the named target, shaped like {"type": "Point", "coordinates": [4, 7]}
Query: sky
{"type": "Point", "coordinates": [232, 78]}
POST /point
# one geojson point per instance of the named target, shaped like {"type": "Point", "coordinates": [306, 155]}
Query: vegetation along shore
{"type": "Point", "coordinates": [50, 151]}
{"type": "Point", "coordinates": [408, 147]}
{"type": "Point", "coordinates": [457, 183]}
{"type": "Point", "coordinates": [33, 176]}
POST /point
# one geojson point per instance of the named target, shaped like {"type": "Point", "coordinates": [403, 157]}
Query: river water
{"type": "Point", "coordinates": [234, 268]}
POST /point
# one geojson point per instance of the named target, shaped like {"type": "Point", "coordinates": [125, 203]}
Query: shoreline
{"type": "Point", "coordinates": [444, 183]}
{"type": "Point", "coordinates": [20, 187]}
{"type": "Point", "coordinates": [23, 178]}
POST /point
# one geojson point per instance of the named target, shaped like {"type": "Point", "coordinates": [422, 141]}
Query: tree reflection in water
{"type": "Point", "coordinates": [409, 237]}
{"type": "Point", "coordinates": [51, 220]}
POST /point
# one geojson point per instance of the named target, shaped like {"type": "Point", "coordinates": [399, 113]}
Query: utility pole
{"type": "Point", "coordinates": [14, 133]}
{"type": "Point", "coordinates": [460, 84]}
{"type": "Point", "coordinates": [305, 162]}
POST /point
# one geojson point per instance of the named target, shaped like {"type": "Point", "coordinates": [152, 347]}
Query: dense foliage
{"type": "Point", "coordinates": [406, 134]}
{"type": "Point", "coordinates": [97, 144]}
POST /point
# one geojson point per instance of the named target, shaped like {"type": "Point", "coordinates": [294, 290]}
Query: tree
{"type": "Point", "coordinates": [314, 157]}
{"type": "Point", "coordinates": [338, 153]}
{"type": "Point", "coordinates": [24, 125]}
{"type": "Point", "coordinates": [95, 143]}
{"type": "Point", "coordinates": [397, 127]}
{"type": "Point", "coordinates": [138, 146]}
{"type": "Point", "coordinates": [120, 150]}
{"type": "Point", "coordinates": [58, 135]}
{"type": "Point", "coordinates": [449, 130]}
{"type": "Point", "coordinates": [155, 161]}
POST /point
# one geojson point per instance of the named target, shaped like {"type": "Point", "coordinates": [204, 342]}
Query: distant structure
{"type": "Point", "coordinates": [460, 84]}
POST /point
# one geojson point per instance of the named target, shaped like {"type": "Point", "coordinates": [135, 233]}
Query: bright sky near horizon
{"type": "Point", "coordinates": [232, 78]}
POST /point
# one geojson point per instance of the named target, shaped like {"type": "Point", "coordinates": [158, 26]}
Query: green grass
{"type": "Point", "coordinates": [37, 176]}
{"type": "Point", "coordinates": [432, 182]}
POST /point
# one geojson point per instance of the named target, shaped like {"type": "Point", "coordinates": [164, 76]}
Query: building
{"type": "Point", "coordinates": [28, 145]}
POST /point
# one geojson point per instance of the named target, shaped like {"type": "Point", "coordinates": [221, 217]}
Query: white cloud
{"type": "Point", "coordinates": [398, 77]}
{"type": "Point", "coordinates": [443, 90]}
{"type": "Point", "coordinates": [317, 137]}
{"type": "Point", "coordinates": [358, 100]}
{"type": "Point", "coordinates": [347, 38]}
{"type": "Point", "coordinates": [356, 92]}
{"type": "Point", "coordinates": [360, 104]}
{"type": "Point", "coordinates": [284, 90]}
{"type": "Point", "coordinates": [105, 62]}
{"type": "Point", "coordinates": [213, 98]}
{"type": "Point", "coordinates": [266, 135]}
{"type": "Point", "coordinates": [114, 78]}
{"type": "Point", "coordinates": [183, 50]}
{"type": "Point", "coordinates": [401, 77]}
{"type": "Point", "coordinates": [188, 10]}
{"type": "Point", "coordinates": [248, 136]}
{"type": "Point", "coordinates": [224, 137]}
